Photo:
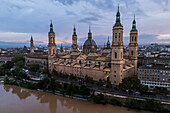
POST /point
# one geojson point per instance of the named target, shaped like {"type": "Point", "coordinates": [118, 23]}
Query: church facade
{"type": "Point", "coordinates": [107, 64]}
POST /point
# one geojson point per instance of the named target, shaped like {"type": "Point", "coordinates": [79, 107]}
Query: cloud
{"type": "Point", "coordinates": [26, 17]}
{"type": "Point", "coordinates": [89, 20]}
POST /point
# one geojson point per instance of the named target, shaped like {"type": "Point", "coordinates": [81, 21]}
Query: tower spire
{"type": "Point", "coordinates": [118, 18]}
{"type": "Point", "coordinates": [74, 31]}
{"type": "Point", "coordinates": [51, 27]}
{"type": "Point", "coordinates": [108, 40]}
{"type": "Point", "coordinates": [31, 38]}
{"type": "Point", "coordinates": [89, 29]}
{"type": "Point", "coordinates": [134, 25]}
{"type": "Point", "coordinates": [89, 34]}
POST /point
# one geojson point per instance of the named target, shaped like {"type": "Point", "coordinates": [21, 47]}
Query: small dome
{"type": "Point", "coordinates": [90, 42]}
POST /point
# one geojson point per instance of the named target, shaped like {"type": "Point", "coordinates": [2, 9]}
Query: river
{"type": "Point", "coordinates": [20, 100]}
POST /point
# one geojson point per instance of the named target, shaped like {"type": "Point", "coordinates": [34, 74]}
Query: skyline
{"type": "Point", "coordinates": [21, 19]}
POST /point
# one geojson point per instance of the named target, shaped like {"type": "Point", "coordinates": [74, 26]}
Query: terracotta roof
{"type": "Point", "coordinates": [107, 69]}
{"type": "Point", "coordinates": [101, 59]}
{"type": "Point", "coordinates": [66, 56]}
{"type": "Point", "coordinates": [77, 66]}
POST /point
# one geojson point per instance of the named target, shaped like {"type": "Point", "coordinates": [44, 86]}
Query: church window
{"type": "Point", "coordinates": [121, 55]}
{"type": "Point", "coordinates": [135, 38]}
{"type": "Point", "coordinates": [53, 51]}
{"type": "Point", "coordinates": [50, 51]}
{"type": "Point", "coordinates": [115, 54]}
{"type": "Point", "coordinates": [115, 36]}
{"type": "Point", "coordinates": [119, 36]}
{"type": "Point", "coordinates": [131, 52]}
{"type": "Point", "coordinates": [51, 40]}
{"type": "Point", "coordinates": [132, 38]}
{"type": "Point", "coordinates": [80, 62]}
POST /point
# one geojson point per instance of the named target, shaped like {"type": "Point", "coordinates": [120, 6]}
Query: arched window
{"type": "Point", "coordinates": [50, 51]}
{"type": "Point", "coordinates": [115, 54]}
{"type": "Point", "coordinates": [115, 36]}
{"type": "Point", "coordinates": [51, 40]}
{"type": "Point", "coordinates": [99, 63]}
{"type": "Point", "coordinates": [131, 52]}
{"type": "Point", "coordinates": [132, 38]}
{"type": "Point", "coordinates": [135, 38]}
{"type": "Point", "coordinates": [80, 62]}
{"type": "Point", "coordinates": [119, 36]}
{"type": "Point", "coordinates": [121, 55]}
{"type": "Point", "coordinates": [53, 51]}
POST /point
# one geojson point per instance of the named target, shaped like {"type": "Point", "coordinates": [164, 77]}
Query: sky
{"type": "Point", "coordinates": [19, 19]}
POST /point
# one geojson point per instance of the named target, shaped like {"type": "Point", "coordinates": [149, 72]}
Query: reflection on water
{"type": "Point", "coordinates": [30, 101]}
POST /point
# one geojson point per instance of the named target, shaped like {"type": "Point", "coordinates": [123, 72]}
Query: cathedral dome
{"type": "Point", "coordinates": [90, 43]}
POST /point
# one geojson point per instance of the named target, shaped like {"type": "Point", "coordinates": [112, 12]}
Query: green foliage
{"type": "Point", "coordinates": [2, 72]}
{"type": "Point", "coordinates": [18, 58]}
{"type": "Point", "coordinates": [17, 72]}
{"type": "Point", "coordinates": [100, 99]}
{"type": "Point", "coordinates": [28, 85]}
{"type": "Point", "coordinates": [116, 102]}
{"type": "Point", "coordinates": [34, 68]}
{"type": "Point", "coordinates": [100, 83]}
{"type": "Point", "coordinates": [11, 82]}
{"type": "Point", "coordinates": [8, 65]}
{"type": "Point", "coordinates": [20, 64]}
{"type": "Point", "coordinates": [53, 85]}
{"type": "Point", "coordinates": [72, 77]}
{"type": "Point", "coordinates": [108, 85]}
{"type": "Point", "coordinates": [132, 84]}
{"type": "Point", "coordinates": [45, 71]}
{"type": "Point", "coordinates": [84, 90]}
{"type": "Point", "coordinates": [6, 80]}
{"type": "Point", "coordinates": [156, 91]}
{"type": "Point", "coordinates": [89, 80]}
{"type": "Point", "coordinates": [43, 84]}
{"type": "Point", "coordinates": [149, 105]}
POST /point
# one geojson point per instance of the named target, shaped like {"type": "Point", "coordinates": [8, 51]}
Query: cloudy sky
{"type": "Point", "coordinates": [19, 19]}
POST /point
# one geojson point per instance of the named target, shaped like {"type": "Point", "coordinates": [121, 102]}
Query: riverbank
{"type": "Point", "coordinates": [85, 94]}
{"type": "Point", "coordinates": [21, 100]}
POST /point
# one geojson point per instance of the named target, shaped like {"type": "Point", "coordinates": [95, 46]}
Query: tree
{"type": "Point", "coordinates": [130, 84]}
{"type": "Point", "coordinates": [43, 84]}
{"type": "Point", "coordinates": [20, 64]}
{"type": "Point", "coordinates": [8, 65]}
{"type": "Point", "coordinates": [89, 80]}
{"type": "Point", "coordinates": [34, 67]}
{"type": "Point", "coordinates": [156, 91]}
{"type": "Point", "coordinates": [84, 90]}
{"type": "Point", "coordinates": [100, 83]}
{"type": "Point", "coordinates": [53, 85]}
{"type": "Point", "coordinates": [108, 85]}
{"type": "Point", "coordinates": [18, 58]}
{"type": "Point", "coordinates": [72, 77]}
{"type": "Point", "coordinates": [45, 71]}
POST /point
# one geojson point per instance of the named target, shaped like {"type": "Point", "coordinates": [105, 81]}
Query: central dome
{"type": "Point", "coordinates": [89, 42]}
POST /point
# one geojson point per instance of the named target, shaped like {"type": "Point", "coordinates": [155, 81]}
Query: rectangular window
{"type": "Point", "coordinates": [116, 37]}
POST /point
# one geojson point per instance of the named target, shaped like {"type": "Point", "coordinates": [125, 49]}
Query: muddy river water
{"type": "Point", "coordinates": [19, 100]}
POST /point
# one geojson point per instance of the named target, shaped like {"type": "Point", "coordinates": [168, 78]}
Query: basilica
{"type": "Point", "coordinates": [108, 64]}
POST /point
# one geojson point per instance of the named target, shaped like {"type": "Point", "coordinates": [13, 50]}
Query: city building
{"type": "Point", "coordinates": [155, 75]}
{"type": "Point", "coordinates": [108, 64]}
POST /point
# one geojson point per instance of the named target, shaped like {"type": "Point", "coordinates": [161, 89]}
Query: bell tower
{"type": "Point", "coordinates": [108, 44]}
{"type": "Point", "coordinates": [133, 45]}
{"type": "Point", "coordinates": [117, 51]}
{"type": "Point", "coordinates": [31, 45]}
{"type": "Point", "coordinates": [74, 40]}
{"type": "Point", "coordinates": [51, 42]}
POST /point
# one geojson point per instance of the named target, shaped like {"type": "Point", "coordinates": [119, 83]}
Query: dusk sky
{"type": "Point", "coordinates": [19, 19]}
